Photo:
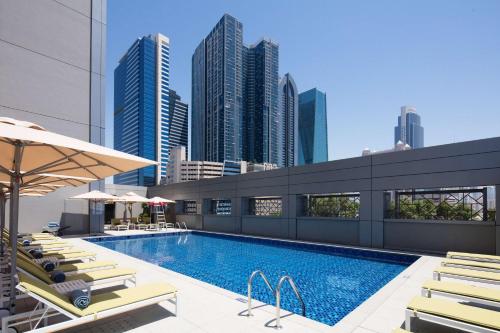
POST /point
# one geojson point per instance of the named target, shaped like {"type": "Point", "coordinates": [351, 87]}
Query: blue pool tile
{"type": "Point", "coordinates": [333, 280]}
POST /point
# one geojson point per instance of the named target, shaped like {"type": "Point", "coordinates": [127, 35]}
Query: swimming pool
{"type": "Point", "coordinates": [332, 280]}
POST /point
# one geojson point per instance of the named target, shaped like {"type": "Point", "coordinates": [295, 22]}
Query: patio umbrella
{"type": "Point", "coordinates": [130, 198]}
{"type": "Point", "coordinates": [30, 154]}
{"type": "Point", "coordinates": [94, 197]}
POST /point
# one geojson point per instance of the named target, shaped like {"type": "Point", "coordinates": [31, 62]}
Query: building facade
{"type": "Point", "coordinates": [53, 74]}
{"type": "Point", "coordinates": [288, 123]}
{"type": "Point", "coordinates": [217, 93]}
{"type": "Point", "coordinates": [261, 119]}
{"type": "Point", "coordinates": [142, 117]}
{"type": "Point", "coordinates": [178, 125]}
{"type": "Point", "coordinates": [313, 131]}
{"type": "Point", "coordinates": [409, 130]}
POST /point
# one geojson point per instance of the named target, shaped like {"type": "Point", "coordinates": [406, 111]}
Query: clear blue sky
{"type": "Point", "coordinates": [370, 57]}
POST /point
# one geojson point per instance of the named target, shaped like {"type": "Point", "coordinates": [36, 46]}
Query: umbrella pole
{"type": "Point", "coordinates": [13, 225]}
{"type": "Point", "coordinates": [2, 220]}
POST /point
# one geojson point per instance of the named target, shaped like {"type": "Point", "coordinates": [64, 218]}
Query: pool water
{"type": "Point", "coordinates": [332, 280]}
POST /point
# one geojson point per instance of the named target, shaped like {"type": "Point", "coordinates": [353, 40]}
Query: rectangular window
{"type": "Point", "coordinates": [341, 205]}
{"type": "Point", "coordinates": [220, 207]}
{"type": "Point", "coordinates": [447, 204]}
{"type": "Point", "coordinates": [190, 207]}
{"type": "Point", "coordinates": [265, 206]}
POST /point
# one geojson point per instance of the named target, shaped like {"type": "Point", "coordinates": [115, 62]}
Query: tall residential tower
{"type": "Point", "coordinates": [141, 110]}
{"type": "Point", "coordinates": [313, 135]}
{"type": "Point", "coordinates": [409, 130]}
{"type": "Point", "coordinates": [289, 119]}
{"type": "Point", "coordinates": [261, 121]}
{"type": "Point", "coordinates": [217, 93]}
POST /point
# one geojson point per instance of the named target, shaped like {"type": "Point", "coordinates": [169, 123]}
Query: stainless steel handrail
{"type": "Point", "coordinates": [185, 226]}
{"type": "Point", "coordinates": [178, 225]}
{"type": "Point", "coordinates": [278, 298]}
{"type": "Point", "coordinates": [250, 280]}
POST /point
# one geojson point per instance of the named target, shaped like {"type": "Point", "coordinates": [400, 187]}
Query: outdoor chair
{"type": "Point", "coordinates": [51, 303]}
{"type": "Point", "coordinates": [462, 292]}
{"type": "Point", "coordinates": [451, 314]}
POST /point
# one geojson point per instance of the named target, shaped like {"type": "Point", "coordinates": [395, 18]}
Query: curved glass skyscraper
{"type": "Point", "coordinates": [289, 119]}
{"type": "Point", "coordinates": [313, 135]}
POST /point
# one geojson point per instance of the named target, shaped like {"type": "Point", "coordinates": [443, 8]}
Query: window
{"type": "Point", "coordinates": [220, 207]}
{"type": "Point", "coordinates": [265, 206]}
{"type": "Point", "coordinates": [189, 207]}
{"type": "Point", "coordinates": [342, 205]}
{"type": "Point", "coordinates": [455, 204]}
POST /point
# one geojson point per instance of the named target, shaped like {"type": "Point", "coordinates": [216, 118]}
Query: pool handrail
{"type": "Point", "coordinates": [278, 298]}
{"type": "Point", "coordinates": [250, 280]}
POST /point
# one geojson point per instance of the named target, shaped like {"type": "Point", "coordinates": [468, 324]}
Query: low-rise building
{"type": "Point", "coordinates": [181, 170]}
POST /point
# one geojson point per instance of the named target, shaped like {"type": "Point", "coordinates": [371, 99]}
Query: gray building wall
{"type": "Point", "coordinates": [473, 163]}
{"type": "Point", "coordinates": [52, 73]}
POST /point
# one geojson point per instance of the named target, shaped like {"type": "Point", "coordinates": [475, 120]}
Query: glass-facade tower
{"type": "Point", "coordinates": [141, 107]}
{"type": "Point", "coordinates": [261, 119]}
{"type": "Point", "coordinates": [409, 130]}
{"type": "Point", "coordinates": [178, 126]}
{"type": "Point", "coordinates": [288, 122]}
{"type": "Point", "coordinates": [313, 135]}
{"type": "Point", "coordinates": [217, 93]}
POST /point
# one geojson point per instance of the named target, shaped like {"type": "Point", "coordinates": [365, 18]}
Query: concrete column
{"type": "Point", "coordinates": [292, 216]}
{"type": "Point", "coordinates": [377, 209]}
{"type": "Point", "coordinates": [497, 219]}
{"type": "Point", "coordinates": [236, 205]}
{"type": "Point", "coordinates": [365, 218]}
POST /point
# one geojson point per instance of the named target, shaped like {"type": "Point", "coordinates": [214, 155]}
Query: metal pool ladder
{"type": "Point", "coordinates": [180, 227]}
{"type": "Point", "coordinates": [276, 292]}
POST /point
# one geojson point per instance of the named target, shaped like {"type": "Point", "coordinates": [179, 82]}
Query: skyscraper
{"type": "Point", "coordinates": [313, 136]}
{"type": "Point", "coordinates": [178, 125]}
{"type": "Point", "coordinates": [409, 130]}
{"type": "Point", "coordinates": [141, 107]}
{"type": "Point", "coordinates": [261, 119]}
{"type": "Point", "coordinates": [289, 116]}
{"type": "Point", "coordinates": [217, 93]}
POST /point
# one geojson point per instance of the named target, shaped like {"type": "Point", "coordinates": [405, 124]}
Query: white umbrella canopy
{"type": "Point", "coordinates": [42, 152]}
{"type": "Point", "coordinates": [158, 200]}
{"type": "Point", "coordinates": [29, 153]}
{"type": "Point", "coordinates": [95, 196]}
{"type": "Point", "coordinates": [132, 197]}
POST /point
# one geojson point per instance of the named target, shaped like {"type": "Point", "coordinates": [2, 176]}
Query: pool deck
{"type": "Point", "coordinates": [207, 308]}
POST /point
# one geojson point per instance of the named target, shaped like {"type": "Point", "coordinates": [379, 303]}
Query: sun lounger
{"type": "Point", "coordinates": [470, 264]}
{"type": "Point", "coordinates": [101, 306]}
{"type": "Point", "coordinates": [464, 292]}
{"type": "Point", "coordinates": [466, 274]}
{"type": "Point", "coordinates": [452, 314]}
{"type": "Point", "coordinates": [473, 256]}
{"type": "Point", "coordinates": [93, 278]}
{"type": "Point", "coordinates": [74, 268]}
{"type": "Point", "coordinates": [63, 257]}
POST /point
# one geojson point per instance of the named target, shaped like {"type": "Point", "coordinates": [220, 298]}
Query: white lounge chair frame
{"type": "Point", "coordinates": [476, 268]}
{"type": "Point", "coordinates": [444, 322]}
{"type": "Point", "coordinates": [122, 278]}
{"type": "Point", "coordinates": [45, 309]}
{"type": "Point", "coordinates": [473, 258]}
{"type": "Point", "coordinates": [438, 275]}
{"type": "Point", "coordinates": [430, 292]}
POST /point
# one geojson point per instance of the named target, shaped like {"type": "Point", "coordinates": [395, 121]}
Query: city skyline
{"type": "Point", "coordinates": [374, 97]}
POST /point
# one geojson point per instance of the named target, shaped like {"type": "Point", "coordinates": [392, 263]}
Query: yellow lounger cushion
{"type": "Point", "coordinates": [473, 256]}
{"type": "Point", "coordinates": [101, 274]}
{"type": "Point", "coordinates": [85, 265]}
{"type": "Point", "coordinates": [49, 247]}
{"type": "Point", "coordinates": [74, 256]}
{"type": "Point", "coordinates": [492, 276]}
{"type": "Point", "coordinates": [456, 311]}
{"type": "Point", "coordinates": [41, 274]}
{"type": "Point", "coordinates": [100, 302]}
{"type": "Point", "coordinates": [471, 263]}
{"type": "Point", "coordinates": [66, 251]}
{"type": "Point", "coordinates": [463, 289]}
